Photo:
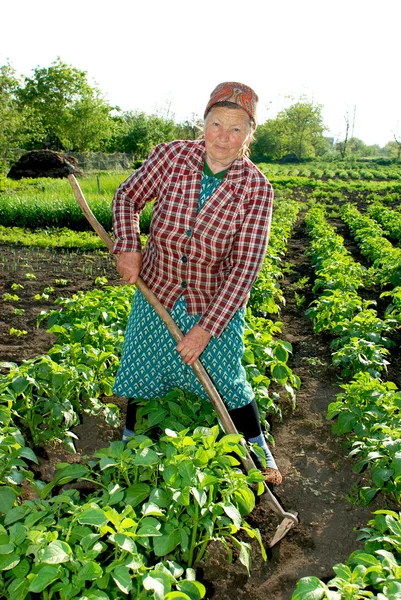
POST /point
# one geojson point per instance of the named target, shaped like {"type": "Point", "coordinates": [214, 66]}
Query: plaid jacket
{"type": "Point", "coordinates": [213, 257]}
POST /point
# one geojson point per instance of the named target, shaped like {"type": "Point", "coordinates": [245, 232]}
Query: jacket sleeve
{"type": "Point", "coordinates": [130, 198]}
{"type": "Point", "coordinates": [247, 256]}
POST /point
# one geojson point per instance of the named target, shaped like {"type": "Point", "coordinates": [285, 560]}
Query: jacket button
{"type": "Point", "coordinates": [189, 232]}
{"type": "Point", "coordinates": [184, 259]}
{"type": "Point", "coordinates": [183, 284]}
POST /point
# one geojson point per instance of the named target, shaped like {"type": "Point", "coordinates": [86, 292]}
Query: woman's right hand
{"type": "Point", "coordinates": [129, 266]}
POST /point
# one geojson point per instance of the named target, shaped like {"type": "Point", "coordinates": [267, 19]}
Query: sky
{"type": "Point", "coordinates": [168, 55]}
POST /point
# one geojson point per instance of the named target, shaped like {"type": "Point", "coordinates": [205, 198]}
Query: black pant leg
{"type": "Point", "coordinates": [246, 420]}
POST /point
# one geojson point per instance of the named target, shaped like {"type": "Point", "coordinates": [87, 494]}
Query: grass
{"type": "Point", "coordinates": [50, 203]}
{"type": "Point", "coordinates": [53, 238]}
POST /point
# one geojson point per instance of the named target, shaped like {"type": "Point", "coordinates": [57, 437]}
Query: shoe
{"type": "Point", "coordinates": [272, 476]}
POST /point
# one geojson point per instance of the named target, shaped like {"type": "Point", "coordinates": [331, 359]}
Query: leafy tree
{"type": "Point", "coordinates": [301, 127]}
{"type": "Point", "coordinates": [393, 149]}
{"type": "Point", "coordinates": [190, 129]}
{"type": "Point", "coordinates": [72, 114]}
{"type": "Point", "coordinates": [17, 122]}
{"type": "Point", "coordinates": [266, 144]}
{"type": "Point", "coordinates": [357, 148]}
{"type": "Point", "coordinates": [138, 132]}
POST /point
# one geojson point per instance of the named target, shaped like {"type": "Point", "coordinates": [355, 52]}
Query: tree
{"type": "Point", "coordinates": [72, 114]}
{"type": "Point", "coordinates": [139, 132]}
{"type": "Point", "coordinates": [190, 129]}
{"type": "Point", "coordinates": [266, 143]}
{"type": "Point", "coordinates": [393, 149]}
{"type": "Point", "coordinates": [17, 121]}
{"type": "Point", "coordinates": [301, 127]}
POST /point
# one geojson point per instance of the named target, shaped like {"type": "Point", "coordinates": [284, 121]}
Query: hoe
{"type": "Point", "coordinates": [288, 519]}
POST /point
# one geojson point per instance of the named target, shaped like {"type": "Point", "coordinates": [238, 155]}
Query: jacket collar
{"type": "Point", "coordinates": [236, 173]}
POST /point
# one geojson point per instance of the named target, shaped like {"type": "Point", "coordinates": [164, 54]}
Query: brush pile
{"type": "Point", "coordinates": [44, 163]}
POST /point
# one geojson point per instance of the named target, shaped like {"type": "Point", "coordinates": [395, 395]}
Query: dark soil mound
{"type": "Point", "coordinates": [44, 163]}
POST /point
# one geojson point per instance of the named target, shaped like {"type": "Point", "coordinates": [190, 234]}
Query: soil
{"type": "Point", "coordinates": [318, 480]}
{"type": "Point", "coordinates": [43, 163]}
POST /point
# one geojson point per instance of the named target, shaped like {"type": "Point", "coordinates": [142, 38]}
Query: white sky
{"type": "Point", "coordinates": [149, 54]}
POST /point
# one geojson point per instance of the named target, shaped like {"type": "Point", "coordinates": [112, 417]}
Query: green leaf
{"type": "Point", "coordinates": [6, 548]}
{"type": "Point", "coordinates": [7, 498]}
{"type": "Point", "coordinates": [166, 542]}
{"type": "Point", "coordinates": [97, 595]}
{"type": "Point", "coordinates": [393, 525]}
{"type": "Point", "coordinates": [245, 555]}
{"type": "Point", "coordinates": [344, 424]}
{"type": "Point", "coordinates": [137, 493]}
{"type": "Point", "coordinates": [160, 497]}
{"type": "Point", "coordinates": [396, 464]}
{"type": "Point", "coordinates": [18, 589]}
{"type": "Point", "coordinates": [245, 499]}
{"type": "Point", "coordinates": [122, 577]}
{"type": "Point", "coordinates": [146, 457]}
{"type": "Point", "coordinates": [159, 582]}
{"type": "Point", "coordinates": [22, 569]}
{"type": "Point", "coordinates": [280, 372]}
{"type": "Point", "coordinates": [56, 552]}
{"type": "Point", "coordinates": [380, 476]}
{"type": "Point", "coordinates": [232, 512]}
{"type": "Point", "coordinates": [193, 589]}
{"type": "Point", "coordinates": [29, 454]}
{"type": "Point", "coordinates": [43, 578]}
{"type": "Point", "coordinates": [124, 542]}
{"type": "Point", "coordinates": [16, 514]}
{"type": "Point", "coordinates": [281, 354]}
{"type": "Point", "coordinates": [363, 558]}
{"type": "Point", "coordinates": [367, 494]}
{"type": "Point", "coordinates": [148, 509]}
{"type": "Point", "coordinates": [92, 516]}
{"type": "Point", "coordinates": [90, 571]}
{"type": "Point", "coordinates": [9, 561]}
{"type": "Point", "coordinates": [19, 384]}
{"type": "Point", "coordinates": [200, 496]}
{"type": "Point", "coordinates": [310, 588]}
{"type": "Point", "coordinates": [88, 540]}
{"type": "Point", "coordinates": [148, 530]}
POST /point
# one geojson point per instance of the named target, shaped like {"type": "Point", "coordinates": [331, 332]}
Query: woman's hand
{"type": "Point", "coordinates": [193, 344]}
{"type": "Point", "coordinates": [129, 266]}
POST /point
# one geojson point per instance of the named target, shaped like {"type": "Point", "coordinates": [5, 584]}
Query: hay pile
{"type": "Point", "coordinates": [44, 163]}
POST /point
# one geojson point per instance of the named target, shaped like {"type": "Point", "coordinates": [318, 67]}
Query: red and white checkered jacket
{"type": "Point", "coordinates": [213, 257]}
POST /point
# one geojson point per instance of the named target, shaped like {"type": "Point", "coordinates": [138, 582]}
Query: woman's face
{"type": "Point", "coordinates": [226, 130]}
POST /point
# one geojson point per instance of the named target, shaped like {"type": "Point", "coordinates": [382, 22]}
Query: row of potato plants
{"type": "Point", "coordinates": [385, 271]}
{"type": "Point", "coordinates": [339, 170]}
{"type": "Point", "coordinates": [361, 339]}
{"type": "Point", "coordinates": [369, 235]}
{"type": "Point", "coordinates": [389, 219]}
{"type": "Point", "coordinates": [368, 413]}
{"type": "Point", "coordinates": [146, 519]}
{"type": "Point", "coordinates": [369, 408]}
{"type": "Point", "coordinates": [92, 343]}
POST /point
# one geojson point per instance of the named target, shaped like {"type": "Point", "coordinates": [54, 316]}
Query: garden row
{"type": "Point", "coordinates": [367, 412]}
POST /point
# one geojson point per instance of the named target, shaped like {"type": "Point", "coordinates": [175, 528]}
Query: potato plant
{"type": "Point", "coordinates": [154, 509]}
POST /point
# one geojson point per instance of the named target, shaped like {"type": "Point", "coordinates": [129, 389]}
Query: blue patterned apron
{"type": "Point", "coordinates": [151, 366]}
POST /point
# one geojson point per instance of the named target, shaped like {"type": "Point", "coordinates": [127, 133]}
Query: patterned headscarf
{"type": "Point", "coordinates": [238, 93]}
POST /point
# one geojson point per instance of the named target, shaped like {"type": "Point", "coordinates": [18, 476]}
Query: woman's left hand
{"type": "Point", "coordinates": [193, 344]}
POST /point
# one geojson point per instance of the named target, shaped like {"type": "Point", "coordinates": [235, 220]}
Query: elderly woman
{"type": "Point", "coordinates": [208, 237]}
